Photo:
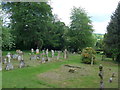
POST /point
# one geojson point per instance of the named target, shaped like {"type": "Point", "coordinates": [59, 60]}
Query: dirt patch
{"type": "Point", "coordinates": [61, 75]}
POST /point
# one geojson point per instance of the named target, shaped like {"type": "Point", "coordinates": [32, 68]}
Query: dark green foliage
{"type": "Point", "coordinates": [80, 33]}
{"type": "Point", "coordinates": [30, 23]}
{"type": "Point", "coordinates": [34, 26]}
{"type": "Point", "coordinates": [7, 39]}
{"type": "Point", "coordinates": [112, 37]}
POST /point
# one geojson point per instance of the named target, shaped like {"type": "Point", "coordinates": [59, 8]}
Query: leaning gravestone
{"type": "Point", "coordinates": [22, 64]}
{"type": "Point", "coordinates": [9, 66]}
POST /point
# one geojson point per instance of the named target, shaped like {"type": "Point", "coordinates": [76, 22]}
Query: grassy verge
{"type": "Point", "coordinates": [86, 78]}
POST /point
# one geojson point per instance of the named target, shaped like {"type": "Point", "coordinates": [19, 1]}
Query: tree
{"type": "Point", "coordinates": [112, 37]}
{"type": "Point", "coordinates": [80, 33]}
{"type": "Point", "coordinates": [29, 22]}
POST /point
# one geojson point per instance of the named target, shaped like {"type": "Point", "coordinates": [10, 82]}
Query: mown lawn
{"type": "Point", "coordinates": [55, 75]}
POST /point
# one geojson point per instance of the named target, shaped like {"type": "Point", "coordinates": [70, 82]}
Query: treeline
{"type": "Point", "coordinates": [112, 37]}
{"type": "Point", "coordinates": [33, 25]}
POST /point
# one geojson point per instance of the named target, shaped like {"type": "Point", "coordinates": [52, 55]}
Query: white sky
{"type": "Point", "coordinates": [99, 10]}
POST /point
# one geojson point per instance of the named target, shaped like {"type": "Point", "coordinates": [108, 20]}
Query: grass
{"type": "Point", "coordinates": [55, 75]}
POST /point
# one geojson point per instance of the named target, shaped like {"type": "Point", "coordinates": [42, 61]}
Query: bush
{"type": "Point", "coordinates": [87, 55]}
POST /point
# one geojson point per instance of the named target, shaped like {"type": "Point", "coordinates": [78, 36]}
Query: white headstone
{"type": "Point", "coordinates": [52, 53]}
{"type": "Point", "coordinates": [32, 50]}
{"type": "Point", "coordinates": [37, 51]}
{"type": "Point", "coordinates": [9, 57]}
{"type": "Point", "coordinates": [19, 58]}
{"type": "Point", "coordinates": [65, 54]}
{"type": "Point", "coordinates": [47, 52]}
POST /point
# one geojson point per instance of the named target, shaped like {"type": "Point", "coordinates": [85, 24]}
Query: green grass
{"type": "Point", "coordinates": [34, 76]}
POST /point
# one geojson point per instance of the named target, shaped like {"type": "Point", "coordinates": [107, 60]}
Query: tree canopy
{"type": "Point", "coordinates": [81, 32]}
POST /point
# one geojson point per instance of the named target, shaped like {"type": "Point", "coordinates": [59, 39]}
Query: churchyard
{"type": "Point", "coordinates": [57, 70]}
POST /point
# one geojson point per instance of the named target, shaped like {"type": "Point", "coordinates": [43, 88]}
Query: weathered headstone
{"type": "Point", "coordinates": [8, 57]}
{"type": "Point", "coordinates": [47, 52]}
{"type": "Point", "coordinates": [33, 57]}
{"type": "Point", "coordinates": [58, 56]}
{"type": "Point", "coordinates": [9, 66]}
{"type": "Point", "coordinates": [65, 54]}
{"type": "Point", "coordinates": [22, 64]}
{"type": "Point", "coordinates": [5, 61]}
{"type": "Point", "coordinates": [52, 53]}
{"type": "Point", "coordinates": [19, 58]}
{"type": "Point", "coordinates": [14, 56]}
{"type": "Point", "coordinates": [43, 60]}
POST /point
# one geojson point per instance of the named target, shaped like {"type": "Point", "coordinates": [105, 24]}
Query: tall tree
{"type": "Point", "coordinates": [112, 37]}
{"type": "Point", "coordinates": [30, 22]}
{"type": "Point", "coordinates": [80, 34]}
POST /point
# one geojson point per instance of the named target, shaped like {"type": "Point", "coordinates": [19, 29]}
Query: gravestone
{"type": "Point", "coordinates": [38, 56]}
{"type": "Point", "coordinates": [47, 52]}
{"type": "Point", "coordinates": [5, 61]}
{"type": "Point", "coordinates": [65, 54]}
{"type": "Point", "coordinates": [33, 57]}
{"type": "Point", "coordinates": [110, 80]}
{"type": "Point", "coordinates": [58, 56]}
{"type": "Point", "coordinates": [22, 64]}
{"type": "Point", "coordinates": [52, 53]}
{"type": "Point", "coordinates": [43, 52]}
{"type": "Point", "coordinates": [8, 57]}
{"type": "Point", "coordinates": [43, 60]}
{"type": "Point", "coordinates": [32, 50]}
{"type": "Point", "coordinates": [14, 56]}
{"type": "Point", "coordinates": [9, 66]}
{"type": "Point", "coordinates": [19, 58]}
{"type": "Point", "coordinates": [37, 51]}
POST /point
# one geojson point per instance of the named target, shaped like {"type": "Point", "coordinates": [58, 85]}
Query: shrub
{"type": "Point", "coordinates": [87, 55]}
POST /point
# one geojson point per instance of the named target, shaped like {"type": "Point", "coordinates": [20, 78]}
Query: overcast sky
{"type": "Point", "coordinates": [99, 11]}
